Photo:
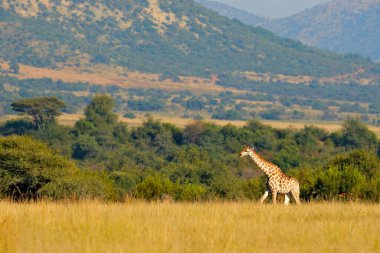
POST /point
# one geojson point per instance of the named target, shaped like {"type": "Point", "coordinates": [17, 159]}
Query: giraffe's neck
{"type": "Point", "coordinates": [268, 168]}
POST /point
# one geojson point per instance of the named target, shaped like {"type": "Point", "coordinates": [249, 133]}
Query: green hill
{"type": "Point", "coordinates": [178, 37]}
{"type": "Point", "coordinates": [345, 26]}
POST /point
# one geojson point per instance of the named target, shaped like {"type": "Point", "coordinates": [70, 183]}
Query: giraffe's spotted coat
{"type": "Point", "coordinates": [278, 182]}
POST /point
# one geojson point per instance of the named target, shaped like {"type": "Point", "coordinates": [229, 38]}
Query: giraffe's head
{"type": "Point", "coordinates": [246, 151]}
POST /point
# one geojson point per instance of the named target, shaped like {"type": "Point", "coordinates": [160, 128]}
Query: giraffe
{"type": "Point", "coordinates": [278, 182]}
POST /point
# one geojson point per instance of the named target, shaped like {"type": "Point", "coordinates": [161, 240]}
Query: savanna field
{"type": "Point", "coordinates": [188, 227]}
{"type": "Point", "coordinates": [156, 126]}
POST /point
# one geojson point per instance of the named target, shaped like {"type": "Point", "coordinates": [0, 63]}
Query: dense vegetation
{"type": "Point", "coordinates": [30, 170]}
{"type": "Point", "coordinates": [159, 160]}
{"type": "Point", "coordinates": [191, 41]}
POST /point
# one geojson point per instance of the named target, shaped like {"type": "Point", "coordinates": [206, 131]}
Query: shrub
{"type": "Point", "coordinates": [19, 127]}
{"type": "Point", "coordinates": [30, 170]}
{"type": "Point", "coordinates": [254, 188]}
{"type": "Point", "coordinates": [227, 188]}
{"type": "Point", "coordinates": [356, 135]}
{"type": "Point", "coordinates": [130, 115]}
{"type": "Point", "coordinates": [334, 181]}
{"type": "Point", "coordinates": [83, 185]}
{"type": "Point", "coordinates": [159, 188]}
{"type": "Point", "coordinates": [153, 188]}
{"type": "Point", "coordinates": [26, 166]}
{"type": "Point", "coordinates": [189, 192]}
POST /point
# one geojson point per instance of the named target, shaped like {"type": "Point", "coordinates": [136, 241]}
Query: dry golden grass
{"type": "Point", "coordinates": [115, 75]}
{"type": "Point", "coordinates": [192, 227]}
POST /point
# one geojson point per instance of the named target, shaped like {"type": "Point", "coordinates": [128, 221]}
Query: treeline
{"type": "Point", "coordinates": [100, 157]}
{"type": "Point", "coordinates": [292, 102]}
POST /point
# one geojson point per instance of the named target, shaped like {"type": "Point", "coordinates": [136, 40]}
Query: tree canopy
{"type": "Point", "coordinates": [29, 169]}
{"type": "Point", "coordinates": [43, 110]}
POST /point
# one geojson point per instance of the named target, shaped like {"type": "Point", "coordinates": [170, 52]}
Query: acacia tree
{"type": "Point", "coordinates": [43, 110]}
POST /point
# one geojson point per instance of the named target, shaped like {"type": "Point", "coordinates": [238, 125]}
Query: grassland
{"type": "Point", "coordinates": [188, 227]}
{"type": "Point", "coordinates": [105, 75]}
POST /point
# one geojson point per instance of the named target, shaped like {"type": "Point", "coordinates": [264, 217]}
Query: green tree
{"type": "Point", "coordinates": [287, 156]}
{"type": "Point", "coordinates": [26, 166]}
{"type": "Point", "coordinates": [43, 110]}
{"type": "Point", "coordinates": [101, 122]}
{"type": "Point", "coordinates": [99, 111]}
{"type": "Point", "coordinates": [356, 135]}
{"type": "Point", "coordinates": [154, 188]}
{"type": "Point", "coordinates": [29, 169]}
{"type": "Point", "coordinates": [367, 163]}
{"type": "Point", "coordinates": [334, 180]}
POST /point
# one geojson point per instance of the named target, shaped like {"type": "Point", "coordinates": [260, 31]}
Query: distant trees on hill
{"type": "Point", "coordinates": [267, 101]}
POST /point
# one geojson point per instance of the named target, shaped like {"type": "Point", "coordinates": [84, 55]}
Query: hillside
{"type": "Point", "coordinates": [169, 37]}
{"type": "Point", "coordinates": [233, 13]}
{"type": "Point", "coordinates": [345, 26]}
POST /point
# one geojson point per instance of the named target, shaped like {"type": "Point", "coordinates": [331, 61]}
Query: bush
{"type": "Point", "coordinates": [227, 188]}
{"type": "Point", "coordinates": [228, 115]}
{"type": "Point", "coordinates": [19, 127]}
{"type": "Point", "coordinates": [189, 192]}
{"type": "Point", "coordinates": [333, 182]}
{"type": "Point", "coordinates": [30, 170]}
{"type": "Point", "coordinates": [26, 166]}
{"type": "Point", "coordinates": [307, 179]}
{"type": "Point", "coordinates": [356, 135]}
{"type": "Point", "coordinates": [273, 114]}
{"type": "Point", "coordinates": [254, 188]}
{"type": "Point", "coordinates": [83, 185]}
{"type": "Point", "coordinates": [130, 115]}
{"type": "Point", "coordinates": [153, 188]}
{"type": "Point", "coordinates": [160, 188]}
{"type": "Point", "coordinates": [367, 163]}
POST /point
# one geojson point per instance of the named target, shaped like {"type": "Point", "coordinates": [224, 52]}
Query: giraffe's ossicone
{"type": "Point", "coordinates": [278, 182]}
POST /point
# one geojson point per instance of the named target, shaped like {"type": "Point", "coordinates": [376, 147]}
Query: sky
{"type": "Point", "coordinates": [273, 8]}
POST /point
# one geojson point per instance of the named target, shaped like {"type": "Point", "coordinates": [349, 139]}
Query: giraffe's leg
{"type": "Point", "coordinates": [274, 196]}
{"type": "Point", "coordinates": [296, 195]}
{"type": "Point", "coordinates": [287, 199]}
{"type": "Point", "coordinates": [266, 193]}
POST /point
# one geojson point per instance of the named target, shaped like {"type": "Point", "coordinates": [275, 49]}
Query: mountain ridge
{"type": "Point", "coordinates": [168, 37]}
{"type": "Point", "coordinates": [349, 26]}
{"type": "Point", "coordinates": [233, 13]}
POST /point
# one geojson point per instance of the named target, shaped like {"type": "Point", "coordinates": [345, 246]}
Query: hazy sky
{"type": "Point", "coordinates": [273, 8]}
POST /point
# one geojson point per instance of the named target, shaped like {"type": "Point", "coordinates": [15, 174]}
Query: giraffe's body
{"type": "Point", "coordinates": [278, 182]}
